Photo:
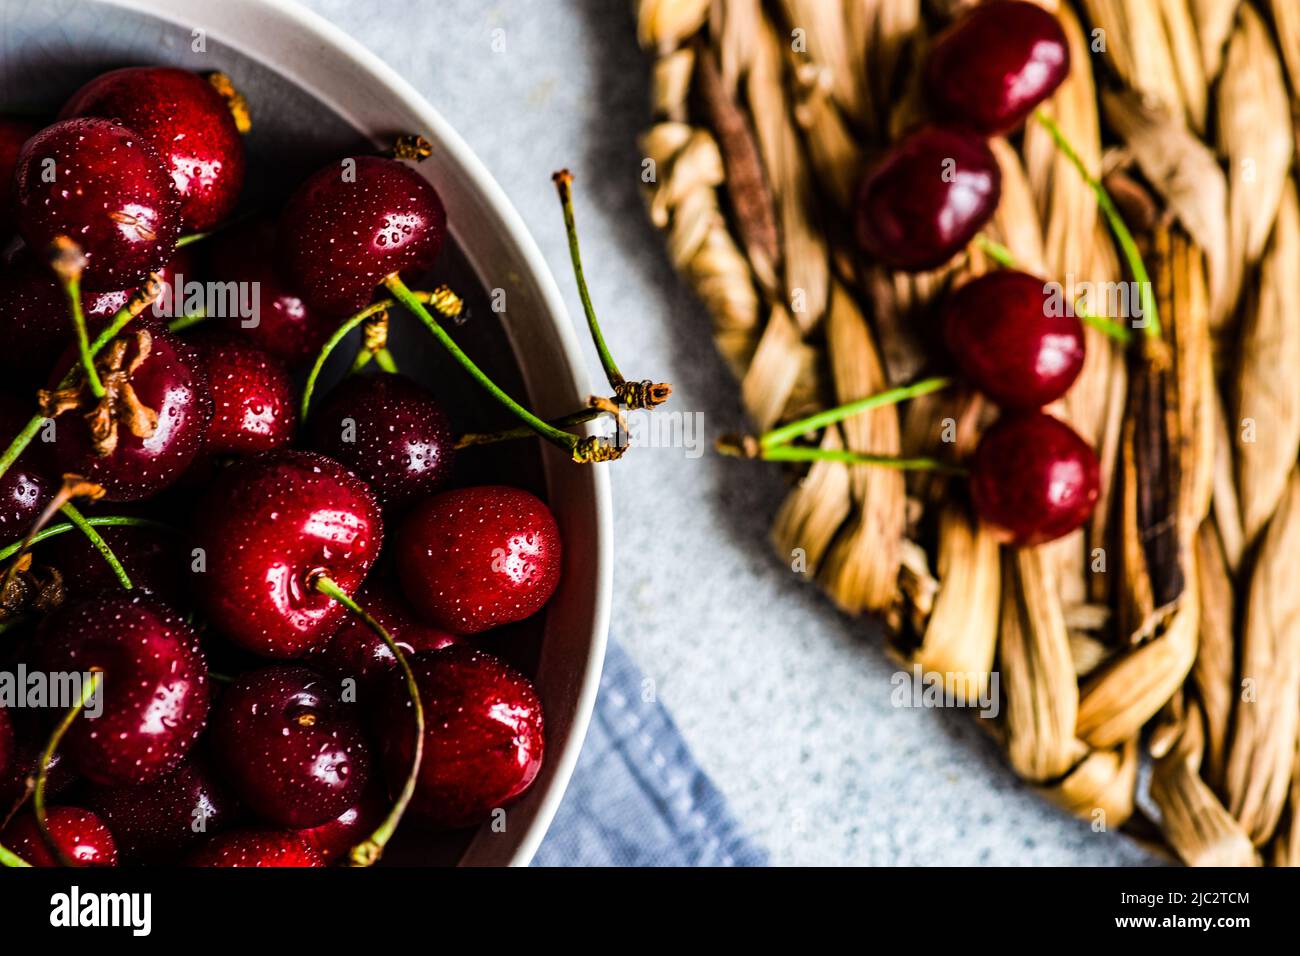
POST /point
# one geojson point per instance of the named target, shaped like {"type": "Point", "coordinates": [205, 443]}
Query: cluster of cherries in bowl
{"type": "Point", "coordinates": [268, 556]}
{"type": "Point", "coordinates": [1032, 476]}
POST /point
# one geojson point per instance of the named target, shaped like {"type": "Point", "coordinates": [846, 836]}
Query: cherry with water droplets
{"type": "Point", "coordinates": [1011, 342]}
{"type": "Point", "coordinates": [266, 527]}
{"type": "Point", "coordinates": [80, 834]}
{"type": "Point", "coordinates": [483, 739]}
{"type": "Point", "coordinates": [391, 432]}
{"type": "Point", "coordinates": [187, 123]}
{"type": "Point", "coordinates": [473, 558]}
{"type": "Point", "coordinates": [111, 195]}
{"type": "Point", "coordinates": [335, 838]}
{"type": "Point", "coordinates": [927, 197]}
{"type": "Point", "coordinates": [264, 848]}
{"type": "Point", "coordinates": [341, 235]}
{"type": "Point", "coordinates": [996, 63]}
{"type": "Point", "coordinates": [252, 396]}
{"type": "Point", "coordinates": [1034, 478]}
{"type": "Point", "coordinates": [153, 700]}
{"type": "Point", "coordinates": [27, 486]}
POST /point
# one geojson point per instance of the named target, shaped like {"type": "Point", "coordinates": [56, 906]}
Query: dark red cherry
{"type": "Point", "coordinates": [391, 432]}
{"type": "Point", "coordinates": [1014, 339]}
{"type": "Point", "coordinates": [356, 651]}
{"type": "Point", "coordinates": [170, 382]}
{"type": "Point", "coordinates": [997, 62]}
{"type": "Point", "coordinates": [256, 848]}
{"type": "Point", "coordinates": [291, 751]}
{"type": "Point", "coordinates": [265, 528]}
{"type": "Point", "coordinates": [22, 766]}
{"type": "Point", "coordinates": [151, 556]}
{"type": "Point", "coordinates": [253, 406]}
{"type": "Point", "coordinates": [474, 558]}
{"type": "Point", "coordinates": [331, 840]}
{"type": "Point", "coordinates": [80, 834]}
{"type": "Point", "coordinates": [181, 116]}
{"type": "Point", "coordinates": [154, 696]}
{"type": "Point", "coordinates": [13, 133]}
{"type": "Point", "coordinates": [355, 222]}
{"type": "Point", "coordinates": [483, 736]}
{"type": "Point", "coordinates": [28, 484]}
{"type": "Point", "coordinates": [157, 822]}
{"type": "Point", "coordinates": [104, 186]}
{"type": "Point", "coordinates": [927, 197]}
{"type": "Point", "coordinates": [1033, 478]}
{"type": "Point", "coordinates": [285, 325]}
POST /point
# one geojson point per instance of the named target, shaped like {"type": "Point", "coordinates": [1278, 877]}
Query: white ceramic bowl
{"type": "Point", "coordinates": [283, 57]}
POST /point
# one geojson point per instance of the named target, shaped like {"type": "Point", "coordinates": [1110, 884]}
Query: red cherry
{"type": "Point", "coordinates": [109, 193]}
{"type": "Point", "coordinates": [181, 116]}
{"type": "Point", "coordinates": [356, 651]}
{"type": "Point", "coordinates": [256, 848]}
{"type": "Point", "coordinates": [157, 822]}
{"type": "Point", "coordinates": [252, 397]}
{"type": "Point", "coordinates": [80, 834]}
{"type": "Point", "coordinates": [27, 486]}
{"type": "Point", "coordinates": [286, 326]}
{"type": "Point", "coordinates": [331, 840]}
{"type": "Point", "coordinates": [474, 558]}
{"type": "Point", "coordinates": [154, 690]}
{"type": "Point", "coordinates": [290, 749]}
{"type": "Point", "coordinates": [22, 766]}
{"type": "Point", "coordinates": [391, 432]}
{"type": "Point", "coordinates": [990, 69]}
{"type": "Point", "coordinates": [266, 527]}
{"type": "Point", "coordinates": [483, 738]}
{"type": "Point", "coordinates": [348, 226]}
{"type": "Point", "coordinates": [1004, 333]}
{"type": "Point", "coordinates": [13, 133]}
{"type": "Point", "coordinates": [170, 381]}
{"type": "Point", "coordinates": [151, 556]}
{"type": "Point", "coordinates": [1034, 478]}
{"type": "Point", "coordinates": [927, 197]}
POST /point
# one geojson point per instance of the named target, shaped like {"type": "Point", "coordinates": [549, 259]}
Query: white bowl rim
{"type": "Point", "coordinates": [221, 20]}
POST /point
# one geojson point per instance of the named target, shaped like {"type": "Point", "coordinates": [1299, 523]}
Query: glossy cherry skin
{"type": "Point", "coordinates": [172, 383]}
{"type": "Point", "coordinates": [926, 198]}
{"type": "Point", "coordinates": [391, 432]}
{"type": "Point", "coordinates": [110, 194]}
{"type": "Point", "coordinates": [266, 848]}
{"type": "Point", "coordinates": [1033, 478]}
{"type": "Point", "coordinates": [1006, 335]}
{"type": "Point", "coordinates": [287, 327]}
{"type": "Point", "coordinates": [188, 125]}
{"type": "Point", "coordinates": [154, 691]}
{"type": "Point", "coordinates": [28, 484]}
{"type": "Point", "coordinates": [474, 558]}
{"type": "Point", "coordinates": [333, 839]}
{"type": "Point", "coordinates": [81, 835]}
{"type": "Point", "coordinates": [342, 235]}
{"type": "Point", "coordinates": [358, 652]}
{"type": "Point", "coordinates": [253, 407]}
{"type": "Point", "coordinates": [483, 739]}
{"type": "Point", "coordinates": [152, 558]}
{"type": "Point", "coordinates": [291, 751]}
{"type": "Point", "coordinates": [159, 821]}
{"type": "Point", "coordinates": [996, 63]}
{"type": "Point", "coordinates": [265, 527]}
{"type": "Point", "coordinates": [14, 133]}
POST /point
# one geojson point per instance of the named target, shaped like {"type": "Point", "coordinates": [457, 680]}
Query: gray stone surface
{"type": "Point", "coordinates": [785, 701]}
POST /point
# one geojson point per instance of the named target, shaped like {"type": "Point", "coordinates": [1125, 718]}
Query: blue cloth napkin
{"type": "Point", "coordinates": [637, 797]}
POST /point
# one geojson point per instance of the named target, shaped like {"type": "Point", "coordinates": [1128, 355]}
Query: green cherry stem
{"type": "Point", "coordinates": [68, 262]}
{"type": "Point", "coordinates": [184, 322]}
{"type": "Point", "coordinates": [331, 344]}
{"type": "Point", "coordinates": [11, 859]}
{"type": "Point", "coordinates": [996, 251]}
{"type": "Point", "coordinates": [787, 433]}
{"type": "Point", "coordinates": [737, 447]}
{"type": "Point", "coordinates": [470, 439]}
{"type": "Point", "coordinates": [646, 394]}
{"type": "Point", "coordinates": [63, 527]}
{"type": "Point", "coordinates": [1116, 222]}
{"type": "Point", "coordinates": [370, 849]}
{"type": "Point", "coordinates": [75, 517]}
{"type": "Point", "coordinates": [88, 690]}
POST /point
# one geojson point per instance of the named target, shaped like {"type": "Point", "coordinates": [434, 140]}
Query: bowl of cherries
{"type": "Point", "coordinates": [305, 534]}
